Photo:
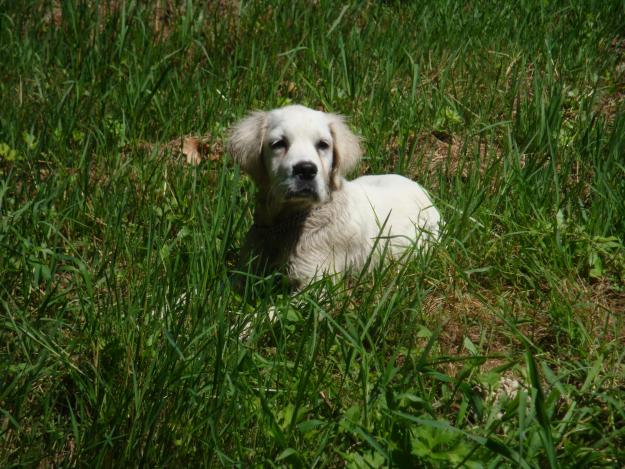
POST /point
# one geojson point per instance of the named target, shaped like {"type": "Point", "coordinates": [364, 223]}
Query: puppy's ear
{"type": "Point", "coordinates": [347, 151]}
{"type": "Point", "coordinates": [245, 144]}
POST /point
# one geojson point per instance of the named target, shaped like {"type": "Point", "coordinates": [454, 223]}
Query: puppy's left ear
{"type": "Point", "coordinates": [347, 151]}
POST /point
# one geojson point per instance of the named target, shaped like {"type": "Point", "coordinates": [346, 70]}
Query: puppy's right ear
{"type": "Point", "coordinates": [245, 144]}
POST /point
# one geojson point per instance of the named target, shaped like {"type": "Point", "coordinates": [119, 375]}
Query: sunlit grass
{"type": "Point", "coordinates": [122, 340]}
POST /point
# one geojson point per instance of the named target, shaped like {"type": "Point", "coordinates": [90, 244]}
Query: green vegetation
{"type": "Point", "coordinates": [122, 342]}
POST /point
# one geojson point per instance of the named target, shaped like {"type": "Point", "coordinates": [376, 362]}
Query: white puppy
{"type": "Point", "coordinates": [309, 219]}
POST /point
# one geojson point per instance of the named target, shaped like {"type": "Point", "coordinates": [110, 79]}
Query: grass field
{"type": "Point", "coordinates": [122, 342]}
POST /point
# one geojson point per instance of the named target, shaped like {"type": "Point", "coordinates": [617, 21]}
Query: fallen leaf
{"type": "Point", "coordinates": [191, 150]}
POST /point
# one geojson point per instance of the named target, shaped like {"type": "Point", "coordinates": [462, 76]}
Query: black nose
{"type": "Point", "coordinates": [305, 170]}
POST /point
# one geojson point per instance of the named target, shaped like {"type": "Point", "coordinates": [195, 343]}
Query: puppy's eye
{"type": "Point", "coordinates": [278, 144]}
{"type": "Point", "coordinates": [322, 145]}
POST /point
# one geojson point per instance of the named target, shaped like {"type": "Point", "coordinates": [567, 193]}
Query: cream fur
{"type": "Point", "coordinates": [309, 225]}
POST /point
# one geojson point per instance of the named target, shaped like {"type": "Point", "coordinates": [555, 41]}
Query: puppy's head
{"type": "Point", "coordinates": [296, 154]}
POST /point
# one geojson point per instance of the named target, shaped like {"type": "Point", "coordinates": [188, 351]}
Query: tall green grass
{"type": "Point", "coordinates": [122, 341]}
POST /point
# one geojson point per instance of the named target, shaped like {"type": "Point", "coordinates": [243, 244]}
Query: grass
{"type": "Point", "coordinates": [122, 342]}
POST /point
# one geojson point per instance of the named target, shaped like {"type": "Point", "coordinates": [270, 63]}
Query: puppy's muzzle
{"type": "Point", "coordinates": [304, 185]}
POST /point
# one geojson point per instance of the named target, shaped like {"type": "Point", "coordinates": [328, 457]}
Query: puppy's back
{"type": "Point", "coordinates": [400, 204]}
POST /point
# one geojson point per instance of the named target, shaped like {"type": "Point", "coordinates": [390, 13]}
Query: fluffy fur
{"type": "Point", "coordinates": [309, 219]}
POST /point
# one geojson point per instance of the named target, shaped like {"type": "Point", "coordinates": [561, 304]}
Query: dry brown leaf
{"type": "Point", "coordinates": [191, 150]}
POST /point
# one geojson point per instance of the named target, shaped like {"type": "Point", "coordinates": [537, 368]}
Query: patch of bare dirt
{"type": "Point", "coordinates": [456, 157]}
{"type": "Point", "coordinates": [439, 152]}
{"type": "Point", "coordinates": [484, 317]}
{"type": "Point", "coordinates": [489, 318]}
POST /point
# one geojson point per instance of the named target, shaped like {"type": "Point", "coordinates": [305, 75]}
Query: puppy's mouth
{"type": "Point", "coordinates": [307, 192]}
{"type": "Point", "coordinates": [299, 190]}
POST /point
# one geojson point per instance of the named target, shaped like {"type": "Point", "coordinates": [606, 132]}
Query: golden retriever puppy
{"type": "Point", "coordinates": [309, 219]}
